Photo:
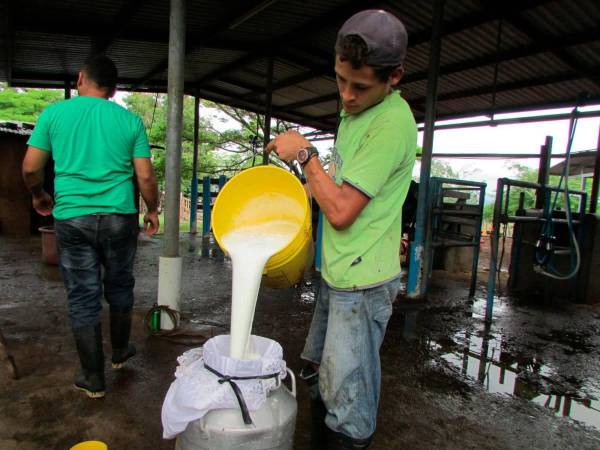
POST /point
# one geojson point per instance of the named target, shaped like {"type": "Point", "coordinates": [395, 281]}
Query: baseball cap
{"type": "Point", "coordinates": [383, 33]}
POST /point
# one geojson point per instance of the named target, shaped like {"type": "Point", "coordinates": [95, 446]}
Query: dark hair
{"type": "Point", "coordinates": [102, 71]}
{"type": "Point", "coordinates": [354, 49]}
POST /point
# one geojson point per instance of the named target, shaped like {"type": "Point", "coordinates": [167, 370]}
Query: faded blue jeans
{"type": "Point", "coordinates": [87, 243]}
{"type": "Point", "coordinates": [345, 335]}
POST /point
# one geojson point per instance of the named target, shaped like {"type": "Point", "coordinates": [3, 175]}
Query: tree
{"type": "Point", "coordinates": [220, 152]}
{"type": "Point", "coordinates": [443, 169]}
{"type": "Point", "coordinates": [25, 105]}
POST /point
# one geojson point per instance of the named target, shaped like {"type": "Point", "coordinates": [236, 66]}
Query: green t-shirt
{"type": "Point", "coordinates": [374, 152]}
{"type": "Point", "coordinates": [93, 142]}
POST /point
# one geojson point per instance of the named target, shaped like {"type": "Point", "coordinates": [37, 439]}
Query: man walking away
{"type": "Point", "coordinates": [99, 149]}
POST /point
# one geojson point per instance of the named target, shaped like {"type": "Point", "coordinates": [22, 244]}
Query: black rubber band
{"type": "Point", "coordinates": [236, 389]}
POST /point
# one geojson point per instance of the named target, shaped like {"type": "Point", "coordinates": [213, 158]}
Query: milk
{"type": "Point", "coordinates": [250, 248]}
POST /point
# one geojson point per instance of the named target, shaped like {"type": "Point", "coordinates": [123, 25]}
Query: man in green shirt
{"type": "Point", "coordinates": [98, 148]}
{"type": "Point", "coordinates": [362, 200]}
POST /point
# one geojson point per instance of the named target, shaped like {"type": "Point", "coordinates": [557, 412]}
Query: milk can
{"type": "Point", "coordinates": [224, 429]}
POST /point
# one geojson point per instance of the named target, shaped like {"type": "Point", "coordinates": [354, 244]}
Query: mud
{"type": "Point", "coordinates": [531, 380]}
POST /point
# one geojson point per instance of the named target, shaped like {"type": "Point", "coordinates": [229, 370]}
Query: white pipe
{"type": "Point", "coordinates": [169, 288]}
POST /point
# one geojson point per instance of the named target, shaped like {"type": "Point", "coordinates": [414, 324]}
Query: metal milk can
{"type": "Point", "coordinates": [273, 426]}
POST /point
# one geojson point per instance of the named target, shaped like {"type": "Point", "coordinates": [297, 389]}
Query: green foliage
{"type": "Point", "coordinates": [443, 169]}
{"type": "Point", "coordinates": [25, 105]}
{"type": "Point", "coordinates": [220, 151]}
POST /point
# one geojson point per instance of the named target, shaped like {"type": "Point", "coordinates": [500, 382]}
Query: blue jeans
{"type": "Point", "coordinates": [85, 244]}
{"type": "Point", "coordinates": [345, 335]}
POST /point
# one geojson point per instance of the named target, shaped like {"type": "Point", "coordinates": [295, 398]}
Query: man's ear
{"type": "Point", "coordinates": [396, 75]}
{"type": "Point", "coordinates": [80, 79]}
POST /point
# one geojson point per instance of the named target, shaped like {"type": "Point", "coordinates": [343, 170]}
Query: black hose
{"type": "Point", "coordinates": [177, 335]}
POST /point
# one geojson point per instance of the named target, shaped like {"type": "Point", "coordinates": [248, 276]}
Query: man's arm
{"type": "Point", "coordinates": [146, 179]}
{"type": "Point", "coordinates": [33, 176]}
{"type": "Point", "coordinates": [340, 204]}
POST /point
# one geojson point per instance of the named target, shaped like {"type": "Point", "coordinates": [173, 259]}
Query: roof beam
{"type": "Point", "coordinates": [311, 101]}
{"type": "Point", "coordinates": [487, 14]}
{"type": "Point", "coordinates": [315, 70]}
{"type": "Point", "coordinates": [122, 21]}
{"type": "Point", "coordinates": [232, 99]}
{"type": "Point", "coordinates": [455, 26]}
{"type": "Point", "coordinates": [565, 103]}
{"type": "Point", "coordinates": [542, 46]}
{"type": "Point", "coordinates": [538, 47]}
{"type": "Point", "coordinates": [95, 30]}
{"type": "Point", "coordinates": [231, 21]}
{"type": "Point", "coordinates": [331, 18]}
{"type": "Point", "coordinates": [537, 35]}
{"type": "Point", "coordinates": [487, 112]}
{"type": "Point", "coordinates": [504, 87]}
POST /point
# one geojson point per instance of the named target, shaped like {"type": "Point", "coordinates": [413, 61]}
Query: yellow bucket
{"type": "Point", "coordinates": [261, 194]}
{"type": "Point", "coordinates": [90, 445]}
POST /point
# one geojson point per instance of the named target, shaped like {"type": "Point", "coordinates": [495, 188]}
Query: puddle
{"type": "Point", "coordinates": [481, 357]}
{"type": "Point", "coordinates": [306, 290]}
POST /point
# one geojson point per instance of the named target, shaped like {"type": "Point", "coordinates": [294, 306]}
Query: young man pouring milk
{"type": "Point", "coordinates": [361, 199]}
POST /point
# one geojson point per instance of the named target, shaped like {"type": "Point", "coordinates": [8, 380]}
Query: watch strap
{"type": "Point", "coordinates": [312, 152]}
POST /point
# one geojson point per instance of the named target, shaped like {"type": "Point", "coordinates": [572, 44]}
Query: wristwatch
{"type": "Point", "coordinates": [304, 155]}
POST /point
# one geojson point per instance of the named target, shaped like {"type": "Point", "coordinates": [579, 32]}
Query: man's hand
{"type": "Point", "coordinates": [151, 223]}
{"type": "Point", "coordinates": [43, 203]}
{"type": "Point", "coordinates": [287, 144]}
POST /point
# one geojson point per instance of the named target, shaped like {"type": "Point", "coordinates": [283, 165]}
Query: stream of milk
{"type": "Point", "coordinates": [250, 248]}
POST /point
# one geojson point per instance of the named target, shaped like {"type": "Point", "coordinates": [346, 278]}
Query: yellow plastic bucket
{"type": "Point", "coordinates": [261, 194]}
{"type": "Point", "coordinates": [90, 445]}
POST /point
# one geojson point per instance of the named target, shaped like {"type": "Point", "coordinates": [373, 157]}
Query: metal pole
{"type": "Point", "coordinates": [419, 261]}
{"type": "Point", "coordinates": [194, 194]}
{"type": "Point", "coordinates": [596, 179]}
{"type": "Point", "coordinates": [494, 256]}
{"type": "Point", "coordinates": [222, 181]}
{"type": "Point", "coordinates": [67, 89]}
{"type": "Point", "coordinates": [543, 172]}
{"type": "Point", "coordinates": [268, 108]}
{"type": "Point", "coordinates": [174, 127]}
{"type": "Point", "coordinates": [206, 197]}
{"type": "Point", "coordinates": [477, 247]}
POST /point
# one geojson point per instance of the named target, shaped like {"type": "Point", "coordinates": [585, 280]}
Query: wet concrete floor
{"type": "Point", "coordinates": [531, 380]}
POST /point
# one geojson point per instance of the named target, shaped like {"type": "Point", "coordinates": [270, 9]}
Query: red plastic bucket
{"type": "Point", "coordinates": [49, 248]}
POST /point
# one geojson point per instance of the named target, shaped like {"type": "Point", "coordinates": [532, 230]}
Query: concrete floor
{"type": "Point", "coordinates": [540, 387]}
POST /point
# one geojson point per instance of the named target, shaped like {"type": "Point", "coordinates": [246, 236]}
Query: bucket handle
{"type": "Point", "coordinates": [292, 381]}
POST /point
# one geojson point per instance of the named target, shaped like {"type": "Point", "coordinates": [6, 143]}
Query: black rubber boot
{"type": "Point", "coordinates": [88, 341]}
{"type": "Point", "coordinates": [319, 432]}
{"type": "Point", "coordinates": [339, 441]}
{"type": "Point", "coordinates": [120, 329]}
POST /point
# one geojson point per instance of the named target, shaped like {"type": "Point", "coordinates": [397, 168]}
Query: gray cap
{"type": "Point", "coordinates": [383, 33]}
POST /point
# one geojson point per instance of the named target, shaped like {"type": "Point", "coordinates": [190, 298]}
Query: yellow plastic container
{"type": "Point", "coordinates": [261, 194]}
{"type": "Point", "coordinates": [90, 445]}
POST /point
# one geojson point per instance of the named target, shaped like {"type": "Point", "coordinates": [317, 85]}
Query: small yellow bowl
{"type": "Point", "coordinates": [90, 445]}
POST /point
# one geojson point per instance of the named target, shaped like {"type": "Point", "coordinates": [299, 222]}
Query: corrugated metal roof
{"type": "Point", "coordinates": [16, 127]}
{"type": "Point", "coordinates": [548, 54]}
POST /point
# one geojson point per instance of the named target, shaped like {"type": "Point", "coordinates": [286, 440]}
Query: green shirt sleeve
{"type": "Point", "coordinates": [381, 151]}
{"type": "Point", "coordinates": [40, 137]}
{"type": "Point", "coordinates": [141, 148]}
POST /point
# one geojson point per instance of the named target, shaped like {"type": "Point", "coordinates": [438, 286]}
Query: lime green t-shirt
{"type": "Point", "coordinates": [93, 142]}
{"type": "Point", "coordinates": [374, 152]}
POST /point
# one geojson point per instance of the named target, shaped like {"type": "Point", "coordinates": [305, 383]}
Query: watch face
{"type": "Point", "coordinates": [302, 155]}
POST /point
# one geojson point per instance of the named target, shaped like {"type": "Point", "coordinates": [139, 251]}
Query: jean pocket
{"type": "Point", "coordinates": [68, 234]}
{"type": "Point", "coordinates": [120, 225]}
